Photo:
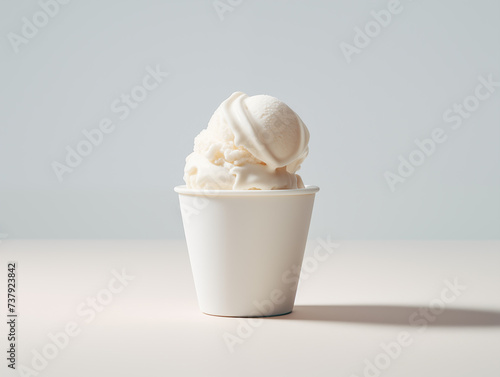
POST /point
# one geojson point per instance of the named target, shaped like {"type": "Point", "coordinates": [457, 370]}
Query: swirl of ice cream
{"type": "Point", "coordinates": [250, 143]}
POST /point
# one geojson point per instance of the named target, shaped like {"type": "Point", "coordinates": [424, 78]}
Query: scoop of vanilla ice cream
{"type": "Point", "coordinates": [280, 137]}
{"type": "Point", "coordinates": [250, 143]}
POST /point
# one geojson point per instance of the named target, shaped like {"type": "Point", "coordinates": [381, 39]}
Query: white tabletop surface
{"type": "Point", "coordinates": [357, 298]}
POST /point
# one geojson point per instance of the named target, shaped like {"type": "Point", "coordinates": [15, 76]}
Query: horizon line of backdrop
{"type": "Point", "coordinates": [100, 103]}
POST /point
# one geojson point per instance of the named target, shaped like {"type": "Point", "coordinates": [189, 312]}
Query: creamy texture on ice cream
{"type": "Point", "coordinates": [250, 143]}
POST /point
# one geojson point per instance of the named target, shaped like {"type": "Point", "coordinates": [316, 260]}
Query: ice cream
{"type": "Point", "coordinates": [250, 143]}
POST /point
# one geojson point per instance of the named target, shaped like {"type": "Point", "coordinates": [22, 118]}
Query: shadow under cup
{"type": "Point", "coordinates": [246, 247]}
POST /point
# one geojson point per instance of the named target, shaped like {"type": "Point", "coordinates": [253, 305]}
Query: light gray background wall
{"type": "Point", "coordinates": [362, 115]}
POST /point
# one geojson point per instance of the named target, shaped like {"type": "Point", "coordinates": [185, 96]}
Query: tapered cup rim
{"type": "Point", "coordinates": [308, 190]}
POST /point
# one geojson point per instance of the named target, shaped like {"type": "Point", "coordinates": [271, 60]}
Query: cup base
{"type": "Point", "coordinates": [247, 316]}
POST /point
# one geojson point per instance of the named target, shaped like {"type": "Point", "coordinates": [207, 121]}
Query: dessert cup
{"type": "Point", "coordinates": [246, 247]}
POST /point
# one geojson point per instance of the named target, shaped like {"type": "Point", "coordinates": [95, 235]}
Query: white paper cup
{"type": "Point", "coordinates": [246, 247]}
